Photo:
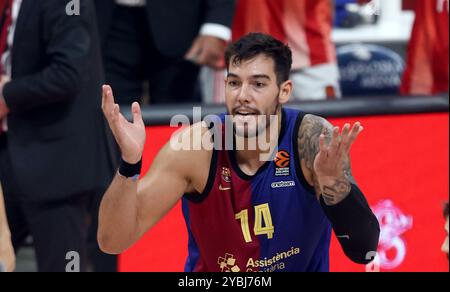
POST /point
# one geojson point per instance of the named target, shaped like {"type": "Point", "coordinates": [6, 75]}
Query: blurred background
{"type": "Point", "coordinates": [381, 62]}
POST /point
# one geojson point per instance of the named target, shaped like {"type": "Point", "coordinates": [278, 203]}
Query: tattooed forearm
{"type": "Point", "coordinates": [337, 192]}
{"type": "Point", "coordinates": [308, 138]}
{"type": "Point", "coordinates": [333, 189]}
{"type": "Point", "coordinates": [348, 171]}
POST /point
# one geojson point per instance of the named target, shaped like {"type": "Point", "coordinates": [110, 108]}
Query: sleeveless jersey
{"type": "Point", "coordinates": [271, 221]}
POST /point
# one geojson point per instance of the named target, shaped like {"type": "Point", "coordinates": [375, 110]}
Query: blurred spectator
{"type": "Point", "coordinates": [7, 257]}
{"type": "Point", "coordinates": [162, 42]}
{"type": "Point", "coordinates": [53, 155]}
{"type": "Point", "coordinates": [427, 70]}
{"type": "Point", "coordinates": [306, 26]}
{"type": "Point", "coordinates": [445, 244]}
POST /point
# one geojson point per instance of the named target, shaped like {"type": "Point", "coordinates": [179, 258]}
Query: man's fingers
{"type": "Point", "coordinates": [356, 130]}
{"type": "Point", "coordinates": [193, 52]}
{"type": "Point", "coordinates": [114, 120]}
{"type": "Point", "coordinates": [335, 140]}
{"type": "Point", "coordinates": [103, 97]}
{"type": "Point", "coordinates": [344, 136]}
{"type": "Point", "coordinates": [322, 146]}
{"type": "Point", "coordinates": [137, 114]}
{"type": "Point", "coordinates": [202, 58]}
{"type": "Point", "coordinates": [111, 110]}
{"type": "Point", "coordinates": [345, 130]}
{"type": "Point", "coordinates": [107, 99]}
{"type": "Point", "coordinates": [115, 114]}
{"type": "Point", "coordinates": [210, 56]}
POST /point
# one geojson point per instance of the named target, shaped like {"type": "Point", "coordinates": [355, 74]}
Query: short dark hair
{"type": "Point", "coordinates": [446, 210]}
{"type": "Point", "coordinates": [254, 44]}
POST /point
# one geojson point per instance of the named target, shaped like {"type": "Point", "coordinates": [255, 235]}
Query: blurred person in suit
{"type": "Point", "coordinates": [164, 43]}
{"type": "Point", "coordinates": [53, 147]}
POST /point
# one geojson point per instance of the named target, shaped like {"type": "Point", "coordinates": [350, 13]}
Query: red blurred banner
{"type": "Point", "coordinates": [400, 162]}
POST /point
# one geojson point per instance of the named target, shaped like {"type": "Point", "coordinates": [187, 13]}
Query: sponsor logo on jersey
{"type": "Point", "coordinates": [228, 264]}
{"type": "Point", "coordinates": [283, 184]}
{"type": "Point", "coordinates": [268, 264]}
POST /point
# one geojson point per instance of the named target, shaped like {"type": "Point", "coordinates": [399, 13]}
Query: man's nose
{"type": "Point", "coordinates": [244, 97]}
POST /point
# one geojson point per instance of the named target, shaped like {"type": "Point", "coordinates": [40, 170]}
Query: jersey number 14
{"type": "Point", "coordinates": [262, 214]}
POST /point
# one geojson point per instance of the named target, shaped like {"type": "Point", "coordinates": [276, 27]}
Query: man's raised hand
{"type": "Point", "coordinates": [129, 136]}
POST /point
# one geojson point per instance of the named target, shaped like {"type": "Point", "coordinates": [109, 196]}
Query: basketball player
{"type": "Point", "coordinates": [244, 214]}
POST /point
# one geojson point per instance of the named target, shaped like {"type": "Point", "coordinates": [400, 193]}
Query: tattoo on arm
{"type": "Point", "coordinates": [341, 188]}
{"type": "Point", "coordinates": [308, 138]}
{"type": "Point", "coordinates": [336, 193]}
{"type": "Point", "coordinates": [308, 141]}
{"type": "Point", "coordinates": [348, 172]}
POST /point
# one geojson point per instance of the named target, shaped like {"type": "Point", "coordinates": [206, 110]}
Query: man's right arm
{"type": "Point", "coordinates": [129, 208]}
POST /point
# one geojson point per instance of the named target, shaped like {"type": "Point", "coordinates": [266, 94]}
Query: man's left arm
{"type": "Point", "coordinates": [325, 153]}
{"type": "Point", "coordinates": [209, 47]}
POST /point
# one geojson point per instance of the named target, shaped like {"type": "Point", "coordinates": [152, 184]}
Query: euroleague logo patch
{"type": "Point", "coordinates": [282, 161]}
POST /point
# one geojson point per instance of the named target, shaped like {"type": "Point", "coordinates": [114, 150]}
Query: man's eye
{"type": "Point", "coordinates": [260, 84]}
{"type": "Point", "coordinates": [233, 83]}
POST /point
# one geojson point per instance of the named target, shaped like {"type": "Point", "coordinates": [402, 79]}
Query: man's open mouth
{"type": "Point", "coordinates": [245, 113]}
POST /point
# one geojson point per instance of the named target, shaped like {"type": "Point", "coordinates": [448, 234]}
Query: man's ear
{"type": "Point", "coordinates": [285, 92]}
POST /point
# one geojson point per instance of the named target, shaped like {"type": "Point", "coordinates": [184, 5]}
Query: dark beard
{"type": "Point", "coordinates": [258, 131]}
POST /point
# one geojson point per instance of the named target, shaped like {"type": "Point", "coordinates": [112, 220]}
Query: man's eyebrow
{"type": "Point", "coordinates": [232, 75]}
{"type": "Point", "coordinates": [260, 76]}
{"type": "Point", "coordinates": [257, 76]}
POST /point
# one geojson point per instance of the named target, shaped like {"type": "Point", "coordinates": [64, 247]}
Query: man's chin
{"type": "Point", "coordinates": [245, 132]}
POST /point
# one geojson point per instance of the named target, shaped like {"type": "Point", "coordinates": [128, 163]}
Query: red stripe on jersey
{"type": "Point", "coordinates": [221, 243]}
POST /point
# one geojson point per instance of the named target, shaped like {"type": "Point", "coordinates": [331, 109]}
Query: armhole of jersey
{"type": "Point", "coordinates": [298, 168]}
{"type": "Point", "coordinates": [198, 198]}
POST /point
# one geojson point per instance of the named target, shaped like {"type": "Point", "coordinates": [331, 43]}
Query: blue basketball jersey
{"type": "Point", "coordinates": [271, 221]}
